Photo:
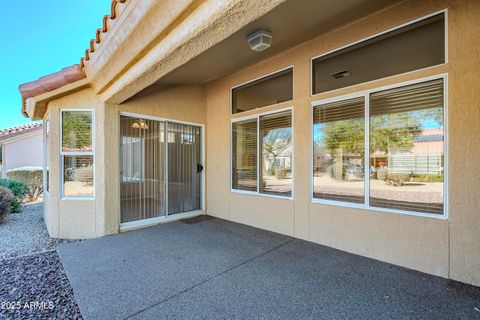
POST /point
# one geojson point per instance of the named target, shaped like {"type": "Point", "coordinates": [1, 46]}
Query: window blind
{"type": "Point", "coordinates": [244, 155]}
{"type": "Point", "coordinates": [338, 155]}
{"type": "Point", "coordinates": [406, 147]}
{"type": "Point", "coordinates": [276, 146]}
{"type": "Point", "coordinates": [416, 97]}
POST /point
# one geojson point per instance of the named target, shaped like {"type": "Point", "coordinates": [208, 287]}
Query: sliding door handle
{"type": "Point", "coordinates": [199, 168]}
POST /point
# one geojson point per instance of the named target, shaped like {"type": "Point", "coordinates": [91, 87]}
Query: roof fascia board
{"type": "Point", "coordinates": [37, 105]}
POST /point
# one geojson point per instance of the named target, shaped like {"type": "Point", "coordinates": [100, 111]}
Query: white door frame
{"type": "Point", "coordinates": [177, 216]}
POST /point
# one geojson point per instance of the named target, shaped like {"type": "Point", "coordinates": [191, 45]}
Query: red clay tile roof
{"type": "Point", "coordinates": [70, 74]}
{"type": "Point", "coordinates": [50, 82]}
{"type": "Point", "coordinates": [15, 131]}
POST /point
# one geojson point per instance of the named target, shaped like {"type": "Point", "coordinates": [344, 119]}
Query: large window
{"type": "Point", "coordinates": [271, 89]}
{"type": "Point", "coordinates": [412, 47]}
{"type": "Point", "coordinates": [400, 160]}
{"type": "Point", "coordinates": [77, 154]}
{"type": "Point", "coordinates": [262, 152]}
{"type": "Point", "coordinates": [338, 149]}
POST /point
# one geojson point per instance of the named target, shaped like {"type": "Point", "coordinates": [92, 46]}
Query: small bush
{"type": "Point", "coordinates": [32, 177]}
{"type": "Point", "coordinates": [6, 198]}
{"type": "Point", "coordinates": [19, 191]}
{"type": "Point", "coordinates": [282, 173]}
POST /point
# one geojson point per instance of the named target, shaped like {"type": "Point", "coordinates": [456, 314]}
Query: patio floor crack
{"type": "Point", "coordinates": [208, 280]}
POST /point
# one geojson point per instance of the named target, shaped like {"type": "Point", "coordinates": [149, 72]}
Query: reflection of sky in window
{"type": "Point", "coordinates": [425, 118]}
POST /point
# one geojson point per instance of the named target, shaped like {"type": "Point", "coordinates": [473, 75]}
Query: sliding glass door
{"type": "Point", "coordinates": [160, 168]}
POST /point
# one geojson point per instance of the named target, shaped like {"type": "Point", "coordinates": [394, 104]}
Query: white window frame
{"type": "Point", "coordinates": [46, 153]}
{"type": "Point", "coordinates": [253, 80]}
{"type": "Point", "coordinates": [366, 94]}
{"type": "Point", "coordinates": [257, 118]}
{"type": "Point", "coordinates": [87, 153]}
{"type": "Point", "coordinates": [444, 11]}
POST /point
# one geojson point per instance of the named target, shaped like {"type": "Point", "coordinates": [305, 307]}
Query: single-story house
{"type": "Point", "coordinates": [178, 106]}
{"type": "Point", "coordinates": [21, 146]}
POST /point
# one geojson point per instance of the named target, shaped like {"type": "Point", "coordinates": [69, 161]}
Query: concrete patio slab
{"type": "Point", "coordinates": [217, 269]}
{"type": "Point", "coordinates": [116, 276]}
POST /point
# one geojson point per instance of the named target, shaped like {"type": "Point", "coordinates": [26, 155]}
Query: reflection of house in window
{"type": "Point", "coordinates": [424, 157]}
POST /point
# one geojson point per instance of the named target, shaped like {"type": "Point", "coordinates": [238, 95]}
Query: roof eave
{"type": "Point", "coordinates": [36, 106]}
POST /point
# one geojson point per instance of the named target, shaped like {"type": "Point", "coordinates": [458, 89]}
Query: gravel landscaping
{"type": "Point", "coordinates": [36, 287]}
{"type": "Point", "coordinates": [33, 282]}
{"type": "Point", "coordinates": [25, 233]}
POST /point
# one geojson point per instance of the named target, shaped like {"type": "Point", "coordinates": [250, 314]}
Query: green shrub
{"type": "Point", "coordinates": [19, 191]}
{"type": "Point", "coordinates": [32, 177]}
{"type": "Point", "coordinates": [427, 178]}
{"type": "Point", "coordinates": [6, 198]}
{"type": "Point", "coordinates": [281, 173]}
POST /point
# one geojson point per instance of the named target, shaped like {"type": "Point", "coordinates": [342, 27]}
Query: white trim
{"type": "Point", "coordinates": [253, 80]}
{"type": "Point", "coordinates": [83, 153]}
{"type": "Point", "coordinates": [148, 117]}
{"type": "Point", "coordinates": [444, 11]}
{"type": "Point", "coordinates": [366, 94]}
{"type": "Point", "coordinates": [257, 118]}
{"type": "Point", "coordinates": [132, 225]}
{"type": "Point", "coordinates": [378, 209]}
{"type": "Point", "coordinates": [366, 151]}
{"type": "Point", "coordinates": [46, 151]}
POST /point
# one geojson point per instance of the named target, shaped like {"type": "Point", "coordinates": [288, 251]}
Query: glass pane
{"type": "Point", "coordinates": [338, 151]}
{"type": "Point", "coordinates": [143, 185]}
{"type": "Point", "coordinates": [78, 176]}
{"type": "Point", "coordinates": [244, 155]}
{"type": "Point", "coordinates": [412, 47]}
{"type": "Point", "coordinates": [276, 146]}
{"type": "Point", "coordinates": [406, 148]}
{"type": "Point", "coordinates": [184, 168]}
{"type": "Point", "coordinates": [77, 131]}
{"type": "Point", "coordinates": [266, 91]}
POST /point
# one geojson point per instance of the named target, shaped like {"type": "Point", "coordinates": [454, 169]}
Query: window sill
{"type": "Point", "coordinates": [254, 193]}
{"type": "Point", "coordinates": [79, 198]}
{"type": "Point", "coordinates": [378, 209]}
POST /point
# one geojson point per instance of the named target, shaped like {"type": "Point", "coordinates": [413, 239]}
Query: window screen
{"type": "Point", "coordinates": [77, 131]}
{"type": "Point", "coordinates": [407, 148]}
{"type": "Point", "coordinates": [272, 89]}
{"type": "Point", "coordinates": [77, 154]}
{"type": "Point", "coordinates": [276, 147]}
{"type": "Point", "coordinates": [244, 155]}
{"type": "Point", "coordinates": [338, 151]}
{"type": "Point", "coordinates": [418, 45]}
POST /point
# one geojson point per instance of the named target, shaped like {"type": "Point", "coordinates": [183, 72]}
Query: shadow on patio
{"type": "Point", "coordinates": [214, 269]}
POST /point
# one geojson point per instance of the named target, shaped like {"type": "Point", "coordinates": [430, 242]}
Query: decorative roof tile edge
{"type": "Point", "coordinates": [104, 29]}
{"type": "Point", "coordinates": [69, 74]}
{"type": "Point", "coordinates": [19, 130]}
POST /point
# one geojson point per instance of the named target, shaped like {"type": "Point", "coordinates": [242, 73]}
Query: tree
{"type": "Point", "coordinates": [275, 142]}
{"type": "Point", "coordinates": [387, 131]}
{"type": "Point", "coordinates": [77, 130]}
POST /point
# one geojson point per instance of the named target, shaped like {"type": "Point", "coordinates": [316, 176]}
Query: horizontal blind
{"type": "Point", "coordinates": [416, 97]}
{"type": "Point", "coordinates": [338, 155]}
{"type": "Point", "coordinates": [276, 143]}
{"type": "Point", "coordinates": [244, 155]}
{"type": "Point", "coordinates": [337, 111]}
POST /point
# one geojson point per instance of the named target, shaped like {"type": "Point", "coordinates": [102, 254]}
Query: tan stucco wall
{"type": "Point", "coordinates": [448, 248]}
{"type": "Point", "coordinates": [74, 218]}
{"type": "Point", "coordinates": [186, 104]}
